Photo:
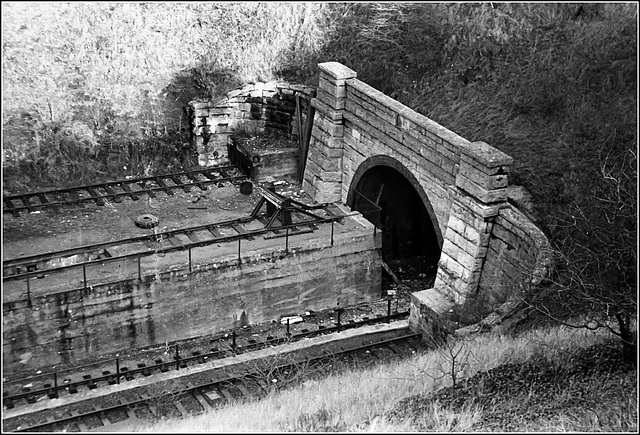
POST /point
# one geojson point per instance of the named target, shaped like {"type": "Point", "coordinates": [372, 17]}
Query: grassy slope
{"type": "Point", "coordinates": [543, 380]}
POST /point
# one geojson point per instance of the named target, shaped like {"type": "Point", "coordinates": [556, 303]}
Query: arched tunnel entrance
{"type": "Point", "coordinates": [389, 196]}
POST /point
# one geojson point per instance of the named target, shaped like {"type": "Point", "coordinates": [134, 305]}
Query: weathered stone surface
{"type": "Point", "coordinates": [336, 70]}
{"type": "Point", "coordinates": [487, 156]}
{"type": "Point", "coordinates": [256, 109]}
{"type": "Point", "coordinates": [134, 313]}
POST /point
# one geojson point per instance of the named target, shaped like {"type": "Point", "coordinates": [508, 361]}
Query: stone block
{"type": "Point", "coordinates": [456, 224]}
{"type": "Point", "coordinates": [317, 161]}
{"type": "Point", "coordinates": [332, 88]}
{"type": "Point", "coordinates": [330, 176]}
{"type": "Point", "coordinates": [336, 71]}
{"type": "Point", "coordinates": [433, 299]}
{"type": "Point", "coordinates": [477, 176]}
{"type": "Point", "coordinates": [472, 204]}
{"type": "Point", "coordinates": [331, 128]}
{"type": "Point", "coordinates": [485, 157]}
{"type": "Point", "coordinates": [200, 105]}
{"type": "Point", "coordinates": [466, 259]}
{"type": "Point", "coordinates": [480, 192]}
{"type": "Point", "coordinates": [324, 109]}
{"type": "Point", "coordinates": [331, 101]}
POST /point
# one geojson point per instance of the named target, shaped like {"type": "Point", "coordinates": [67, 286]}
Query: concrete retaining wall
{"type": "Point", "coordinates": [80, 324]}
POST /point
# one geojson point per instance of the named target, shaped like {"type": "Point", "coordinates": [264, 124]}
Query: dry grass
{"type": "Point", "coordinates": [362, 400]}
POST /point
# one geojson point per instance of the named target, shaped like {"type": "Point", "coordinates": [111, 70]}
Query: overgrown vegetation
{"type": "Point", "coordinates": [96, 91]}
{"type": "Point", "coordinates": [554, 86]}
{"type": "Point", "coordinates": [543, 380]}
{"type": "Point", "coordinates": [89, 88]}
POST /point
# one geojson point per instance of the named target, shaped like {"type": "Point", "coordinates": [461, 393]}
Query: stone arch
{"type": "Point", "coordinates": [373, 173]}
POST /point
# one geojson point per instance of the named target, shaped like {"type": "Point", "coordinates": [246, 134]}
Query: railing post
{"type": "Point", "coordinates": [388, 309]}
{"type": "Point", "coordinates": [286, 238]}
{"type": "Point", "coordinates": [55, 383]}
{"type": "Point", "coordinates": [177, 358]}
{"type": "Point", "coordinates": [332, 223]}
{"type": "Point", "coordinates": [239, 239]}
{"type": "Point", "coordinates": [288, 333]}
{"type": "Point", "coordinates": [29, 292]}
{"type": "Point", "coordinates": [139, 269]}
{"type": "Point", "coordinates": [338, 323]}
{"type": "Point", "coordinates": [84, 274]}
{"type": "Point", "coordinates": [118, 369]}
{"type": "Point", "coordinates": [190, 270]}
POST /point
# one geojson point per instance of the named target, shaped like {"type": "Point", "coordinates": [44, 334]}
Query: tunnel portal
{"type": "Point", "coordinates": [386, 198]}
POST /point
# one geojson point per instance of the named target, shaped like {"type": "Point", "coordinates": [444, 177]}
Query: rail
{"type": "Point", "coordinates": [120, 189]}
{"type": "Point", "coordinates": [51, 385]}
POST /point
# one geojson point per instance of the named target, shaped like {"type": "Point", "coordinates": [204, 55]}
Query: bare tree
{"type": "Point", "coordinates": [597, 254]}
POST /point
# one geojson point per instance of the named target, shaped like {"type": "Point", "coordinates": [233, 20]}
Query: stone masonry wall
{"type": "Point", "coordinates": [258, 109]}
{"type": "Point", "coordinates": [519, 257]}
{"type": "Point", "coordinates": [465, 182]}
{"type": "Point", "coordinates": [80, 324]}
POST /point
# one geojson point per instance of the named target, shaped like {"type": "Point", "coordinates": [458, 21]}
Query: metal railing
{"type": "Point", "coordinates": [288, 230]}
{"type": "Point", "coordinates": [51, 384]}
{"type": "Point", "coordinates": [373, 210]}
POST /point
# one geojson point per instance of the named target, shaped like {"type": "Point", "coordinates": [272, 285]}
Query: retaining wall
{"type": "Point", "coordinates": [258, 109]}
{"type": "Point", "coordinates": [81, 324]}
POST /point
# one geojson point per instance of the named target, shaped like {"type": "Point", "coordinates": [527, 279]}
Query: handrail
{"type": "Point", "coordinates": [170, 249]}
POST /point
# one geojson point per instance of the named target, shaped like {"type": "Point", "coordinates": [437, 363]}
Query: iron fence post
{"type": "Point", "coordinates": [388, 309]}
{"type": "Point", "coordinates": [332, 223]}
{"type": "Point", "coordinates": [118, 371]}
{"type": "Point", "coordinates": [286, 238]}
{"type": "Point", "coordinates": [84, 274]}
{"type": "Point", "coordinates": [190, 270]}
{"type": "Point", "coordinates": [139, 269]}
{"type": "Point", "coordinates": [239, 239]}
{"type": "Point", "coordinates": [177, 358]}
{"type": "Point", "coordinates": [29, 292]}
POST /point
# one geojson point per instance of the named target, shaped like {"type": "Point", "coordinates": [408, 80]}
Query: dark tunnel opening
{"type": "Point", "coordinates": [387, 199]}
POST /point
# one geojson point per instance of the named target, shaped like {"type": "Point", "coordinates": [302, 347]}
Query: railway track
{"type": "Point", "coordinates": [283, 217]}
{"type": "Point", "coordinates": [232, 379]}
{"type": "Point", "coordinates": [118, 190]}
